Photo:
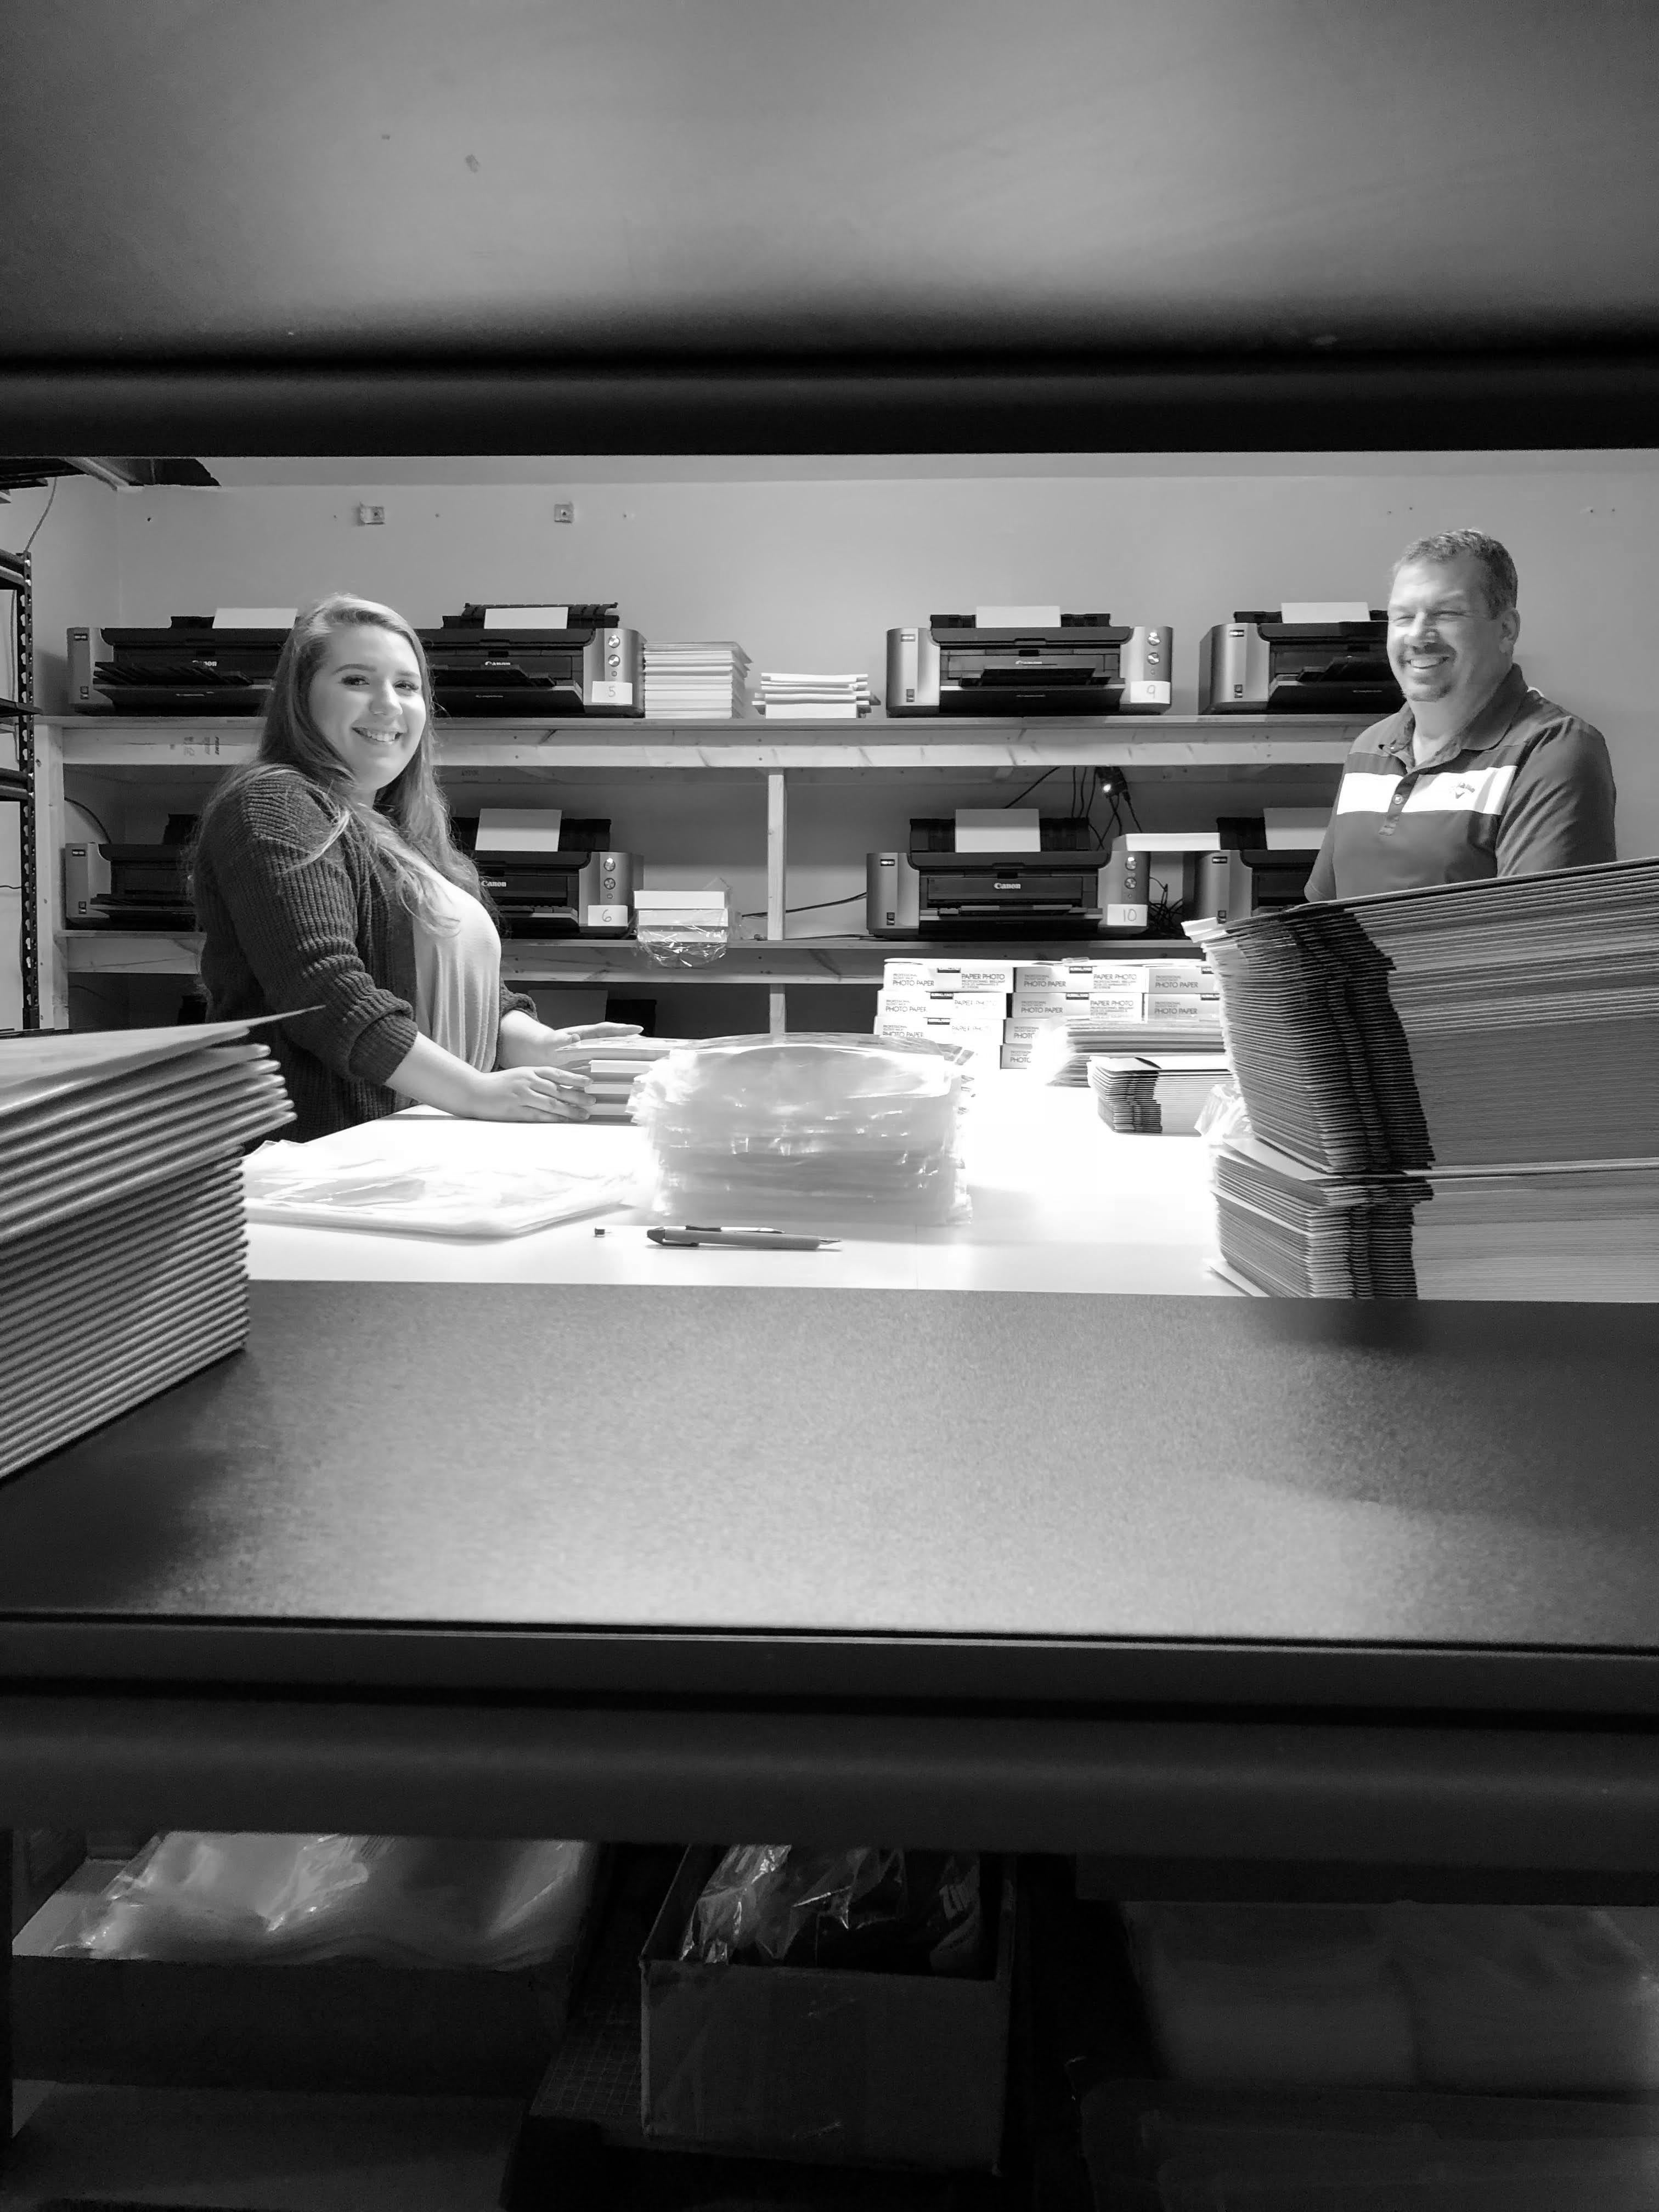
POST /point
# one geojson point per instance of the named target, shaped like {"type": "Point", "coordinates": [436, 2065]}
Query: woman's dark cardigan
{"type": "Point", "coordinates": [284, 929]}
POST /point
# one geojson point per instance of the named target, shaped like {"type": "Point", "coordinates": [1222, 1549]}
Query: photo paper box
{"type": "Point", "coordinates": [841, 2067]}
{"type": "Point", "coordinates": [1178, 976]}
{"type": "Point", "coordinates": [974, 975]}
{"type": "Point", "coordinates": [1028, 1005]}
{"type": "Point", "coordinates": [1122, 1007]}
{"type": "Point", "coordinates": [1027, 1033]}
{"type": "Point", "coordinates": [898, 999]}
{"type": "Point", "coordinates": [1016, 1055]}
{"type": "Point", "coordinates": [1047, 975]}
{"type": "Point", "coordinates": [1109, 977]}
{"type": "Point", "coordinates": [1183, 1006]}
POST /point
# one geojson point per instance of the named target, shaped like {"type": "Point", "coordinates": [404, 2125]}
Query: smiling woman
{"type": "Point", "coordinates": [329, 891]}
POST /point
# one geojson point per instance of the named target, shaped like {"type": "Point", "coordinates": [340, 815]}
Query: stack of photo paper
{"type": "Point", "coordinates": [1450, 1090]}
{"type": "Point", "coordinates": [1134, 1007]}
{"type": "Point", "coordinates": [701, 682]}
{"type": "Point", "coordinates": [672, 922]}
{"type": "Point", "coordinates": [612, 1068]}
{"type": "Point", "coordinates": [122, 1259]}
{"type": "Point", "coordinates": [956, 1002]}
{"type": "Point", "coordinates": [809, 698]}
{"type": "Point", "coordinates": [1157, 1094]}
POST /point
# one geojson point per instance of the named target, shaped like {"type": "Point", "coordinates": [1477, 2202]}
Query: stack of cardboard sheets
{"type": "Point", "coordinates": [122, 1246]}
{"type": "Point", "coordinates": [1452, 1093]}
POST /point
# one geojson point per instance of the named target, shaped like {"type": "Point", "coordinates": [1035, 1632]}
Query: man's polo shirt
{"type": "Point", "coordinates": [1529, 787]}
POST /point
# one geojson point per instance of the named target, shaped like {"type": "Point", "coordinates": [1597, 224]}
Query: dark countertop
{"type": "Point", "coordinates": [984, 1499]}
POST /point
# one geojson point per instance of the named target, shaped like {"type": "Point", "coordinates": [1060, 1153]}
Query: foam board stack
{"type": "Point", "coordinates": [704, 681]}
{"type": "Point", "coordinates": [122, 1266]}
{"type": "Point", "coordinates": [612, 1068]}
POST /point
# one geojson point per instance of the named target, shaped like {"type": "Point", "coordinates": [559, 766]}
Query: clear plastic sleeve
{"type": "Point", "coordinates": [810, 1131]}
{"type": "Point", "coordinates": [865, 1904]}
{"type": "Point", "coordinates": [418, 1194]}
{"type": "Point", "coordinates": [397, 1900]}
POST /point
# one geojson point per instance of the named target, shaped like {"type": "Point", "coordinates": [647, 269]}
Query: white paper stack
{"type": "Point", "coordinates": [1153, 1094]}
{"type": "Point", "coordinates": [1179, 1012]}
{"type": "Point", "coordinates": [122, 1266]}
{"type": "Point", "coordinates": [612, 1068]}
{"type": "Point", "coordinates": [704, 681]}
{"type": "Point", "coordinates": [809, 698]}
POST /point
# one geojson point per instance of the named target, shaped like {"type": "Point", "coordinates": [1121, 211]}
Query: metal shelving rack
{"type": "Point", "coordinates": [18, 784]}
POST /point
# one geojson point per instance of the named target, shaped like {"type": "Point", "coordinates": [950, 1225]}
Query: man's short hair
{"type": "Point", "coordinates": [1498, 575]}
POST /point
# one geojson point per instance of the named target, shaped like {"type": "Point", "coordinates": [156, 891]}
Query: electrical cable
{"type": "Point", "coordinates": [45, 512]}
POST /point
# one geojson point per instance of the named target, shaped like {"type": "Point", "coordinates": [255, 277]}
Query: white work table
{"type": "Point", "coordinates": [1059, 1203]}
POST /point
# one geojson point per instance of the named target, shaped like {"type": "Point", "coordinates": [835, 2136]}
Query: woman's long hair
{"type": "Point", "coordinates": [409, 815]}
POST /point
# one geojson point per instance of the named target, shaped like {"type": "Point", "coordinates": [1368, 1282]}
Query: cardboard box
{"type": "Point", "coordinates": [841, 2068]}
{"type": "Point", "coordinates": [331, 2024]}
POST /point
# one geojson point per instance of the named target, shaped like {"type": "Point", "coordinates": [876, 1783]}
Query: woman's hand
{"type": "Point", "coordinates": [526, 1043]}
{"type": "Point", "coordinates": [528, 1094]}
{"type": "Point", "coordinates": [594, 1032]}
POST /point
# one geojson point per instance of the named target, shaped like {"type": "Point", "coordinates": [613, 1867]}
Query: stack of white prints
{"type": "Point", "coordinates": [1154, 1094]}
{"type": "Point", "coordinates": [1083, 1040]}
{"type": "Point", "coordinates": [122, 1257]}
{"type": "Point", "coordinates": [705, 681]}
{"type": "Point", "coordinates": [814, 698]}
{"type": "Point", "coordinates": [612, 1068]}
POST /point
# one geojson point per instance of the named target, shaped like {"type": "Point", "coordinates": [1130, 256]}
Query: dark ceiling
{"type": "Point", "coordinates": [717, 195]}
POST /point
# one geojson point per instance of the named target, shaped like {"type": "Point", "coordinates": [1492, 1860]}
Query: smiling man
{"type": "Point", "coordinates": [1478, 775]}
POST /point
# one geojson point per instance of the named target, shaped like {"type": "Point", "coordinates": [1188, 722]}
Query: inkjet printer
{"type": "Point", "coordinates": [551, 875]}
{"type": "Point", "coordinates": [1024, 661]}
{"type": "Point", "coordinates": [936, 889]}
{"type": "Point", "coordinates": [512, 662]}
{"type": "Point", "coordinates": [148, 885]}
{"type": "Point", "coordinates": [196, 665]}
{"type": "Point", "coordinates": [1322, 658]}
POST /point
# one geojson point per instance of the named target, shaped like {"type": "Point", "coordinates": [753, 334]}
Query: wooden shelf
{"type": "Point", "coordinates": [573, 960]}
{"type": "Point", "coordinates": [136, 744]}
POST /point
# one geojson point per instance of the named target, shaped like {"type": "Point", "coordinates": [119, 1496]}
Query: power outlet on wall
{"type": "Point", "coordinates": [366, 514]}
{"type": "Point", "coordinates": [564, 510]}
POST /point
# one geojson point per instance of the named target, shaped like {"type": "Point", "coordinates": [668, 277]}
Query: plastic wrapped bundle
{"type": "Point", "coordinates": [805, 1132]}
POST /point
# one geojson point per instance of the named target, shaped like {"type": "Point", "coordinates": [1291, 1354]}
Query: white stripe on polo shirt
{"type": "Point", "coordinates": [1463, 791]}
{"type": "Point", "coordinates": [1365, 793]}
{"type": "Point", "coordinates": [1449, 790]}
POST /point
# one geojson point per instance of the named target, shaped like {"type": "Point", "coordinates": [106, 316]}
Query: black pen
{"type": "Point", "coordinates": [759, 1240]}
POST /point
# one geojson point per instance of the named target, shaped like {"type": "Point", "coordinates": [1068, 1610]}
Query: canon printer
{"type": "Point", "coordinates": [580, 887]}
{"type": "Point", "coordinates": [994, 662]}
{"type": "Point", "coordinates": [190, 667]}
{"type": "Point", "coordinates": [935, 890]}
{"type": "Point", "coordinates": [1307, 660]}
{"type": "Point", "coordinates": [506, 662]}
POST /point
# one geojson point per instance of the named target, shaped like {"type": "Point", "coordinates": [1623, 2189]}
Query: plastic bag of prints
{"type": "Point", "coordinates": [1223, 1114]}
{"type": "Point", "coordinates": [865, 1905]}
{"type": "Point", "coordinates": [807, 1130]}
{"type": "Point", "coordinates": [412, 1194]}
{"type": "Point", "coordinates": [398, 1900]}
